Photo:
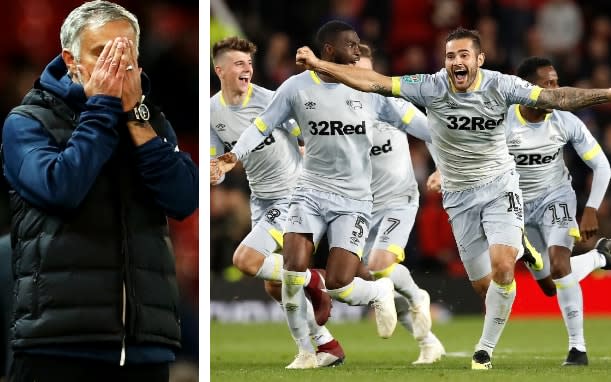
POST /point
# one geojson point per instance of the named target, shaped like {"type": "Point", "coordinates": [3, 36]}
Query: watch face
{"type": "Point", "coordinates": [143, 110]}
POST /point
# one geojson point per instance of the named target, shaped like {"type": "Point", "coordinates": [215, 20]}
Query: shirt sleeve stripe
{"type": "Point", "coordinates": [574, 232]}
{"type": "Point", "coordinates": [396, 86]}
{"type": "Point", "coordinates": [260, 125]}
{"type": "Point", "coordinates": [592, 152]}
{"type": "Point", "coordinates": [296, 131]}
{"type": "Point", "coordinates": [314, 77]}
{"type": "Point", "coordinates": [534, 94]}
{"type": "Point", "coordinates": [212, 151]}
{"type": "Point", "coordinates": [409, 115]}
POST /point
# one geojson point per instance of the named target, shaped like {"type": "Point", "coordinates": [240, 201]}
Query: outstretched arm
{"type": "Point", "coordinates": [365, 80]}
{"type": "Point", "coordinates": [567, 98]}
{"type": "Point", "coordinates": [598, 162]}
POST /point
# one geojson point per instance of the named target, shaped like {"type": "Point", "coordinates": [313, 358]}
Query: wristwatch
{"type": "Point", "coordinates": [140, 113]}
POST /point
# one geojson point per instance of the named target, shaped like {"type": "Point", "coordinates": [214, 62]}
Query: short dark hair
{"type": "Point", "coordinates": [232, 43]}
{"type": "Point", "coordinates": [528, 68]}
{"type": "Point", "coordinates": [329, 31]}
{"type": "Point", "coordinates": [460, 33]}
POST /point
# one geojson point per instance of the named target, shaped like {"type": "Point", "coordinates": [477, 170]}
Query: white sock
{"type": "Point", "coordinates": [570, 301]}
{"type": "Point", "coordinates": [358, 292]}
{"type": "Point", "coordinates": [271, 269]}
{"type": "Point", "coordinates": [402, 306]}
{"type": "Point", "coordinates": [295, 307]}
{"type": "Point", "coordinates": [308, 277]}
{"type": "Point", "coordinates": [499, 300]}
{"type": "Point", "coordinates": [404, 283]}
{"type": "Point", "coordinates": [319, 334]}
{"type": "Point", "coordinates": [583, 265]}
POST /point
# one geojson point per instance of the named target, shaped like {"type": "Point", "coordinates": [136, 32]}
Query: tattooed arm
{"type": "Point", "coordinates": [571, 99]}
{"type": "Point", "coordinates": [365, 80]}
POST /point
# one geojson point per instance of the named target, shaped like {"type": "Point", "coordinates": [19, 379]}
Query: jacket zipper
{"type": "Point", "coordinates": [35, 277]}
{"type": "Point", "coordinates": [123, 319]}
{"type": "Point", "coordinates": [124, 250]}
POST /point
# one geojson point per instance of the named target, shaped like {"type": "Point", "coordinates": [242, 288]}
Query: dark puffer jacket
{"type": "Point", "coordinates": [92, 257]}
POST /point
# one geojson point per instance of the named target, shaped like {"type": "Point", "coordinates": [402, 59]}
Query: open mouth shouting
{"type": "Point", "coordinates": [244, 79]}
{"type": "Point", "coordinates": [460, 76]}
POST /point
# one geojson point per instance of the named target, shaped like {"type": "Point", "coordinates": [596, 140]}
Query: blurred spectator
{"type": "Point", "coordinates": [413, 59]}
{"type": "Point", "coordinates": [345, 10]}
{"type": "Point", "coordinates": [446, 14]}
{"type": "Point", "coordinates": [533, 44]}
{"type": "Point", "coordinates": [561, 27]}
{"type": "Point", "coordinates": [230, 219]}
{"type": "Point", "coordinates": [496, 56]}
{"type": "Point", "coordinates": [410, 24]}
{"type": "Point", "coordinates": [435, 236]}
{"type": "Point", "coordinates": [515, 20]}
{"type": "Point", "coordinates": [375, 26]}
{"type": "Point", "coordinates": [279, 61]}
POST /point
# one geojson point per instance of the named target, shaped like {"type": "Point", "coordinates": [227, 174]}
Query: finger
{"type": "Point", "coordinates": [123, 63]}
{"type": "Point", "coordinates": [110, 57]}
{"type": "Point", "coordinates": [118, 59]}
{"type": "Point", "coordinates": [133, 54]}
{"type": "Point", "coordinates": [85, 75]}
{"type": "Point", "coordinates": [224, 167]}
{"type": "Point", "coordinates": [105, 52]}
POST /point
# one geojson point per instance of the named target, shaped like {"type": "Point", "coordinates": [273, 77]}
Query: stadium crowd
{"type": "Point", "coordinates": [407, 38]}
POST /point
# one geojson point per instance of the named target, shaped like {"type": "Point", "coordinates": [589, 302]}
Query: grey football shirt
{"type": "Point", "coordinates": [393, 181]}
{"type": "Point", "coordinates": [274, 165]}
{"type": "Point", "coordinates": [538, 152]}
{"type": "Point", "coordinates": [467, 129]}
{"type": "Point", "coordinates": [336, 125]}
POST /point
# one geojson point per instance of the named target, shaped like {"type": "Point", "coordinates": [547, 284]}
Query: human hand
{"type": "Point", "coordinates": [433, 183]}
{"type": "Point", "coordinates": [305, 57]}
{"type": "Point", "coordinates": [108, 72]}
{"type": "Point", "coordinates": [215, 171]}
{"type": "Point", "coordinates": [589, 223]}
{"type": "Point", "coordinates": [132, 87]}
{"type": "Point", "coordinates": [227, 161]}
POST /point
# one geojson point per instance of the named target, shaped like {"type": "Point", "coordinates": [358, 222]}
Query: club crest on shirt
{"type": "Point", "coordinates": [354, 104]}
{"type": "Point", "coordinates": [412, 78]}
{"type": "Point", "coordinates": [491, 104]}
{"type": "Point", "coordinates": [220, 127]}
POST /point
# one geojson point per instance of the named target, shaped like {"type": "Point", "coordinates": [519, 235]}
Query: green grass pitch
{"type": "Point", "coordinates": [529, 350]}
